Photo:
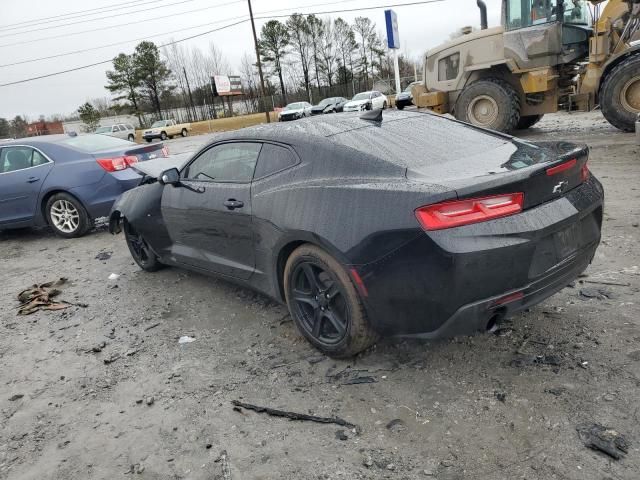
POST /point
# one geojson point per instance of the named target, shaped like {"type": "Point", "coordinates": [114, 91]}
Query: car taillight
{"type": "Point", "coordinates": [116, 164]}
{"type": "Point", "coordinates": [464, 212]}
{"type": "Point", "coordinates": [165, 151]}
{"type": "Point", "coordinates": [584, 173]}
{"type": "Point", "coordinates": [562, 167]}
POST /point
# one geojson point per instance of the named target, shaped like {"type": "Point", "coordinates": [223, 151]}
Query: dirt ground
{"type": "Point", "coordinates": [494, 406]}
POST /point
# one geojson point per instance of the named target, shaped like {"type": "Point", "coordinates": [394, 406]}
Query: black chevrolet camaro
{"type": "Point", "coordinates": [411, 224]}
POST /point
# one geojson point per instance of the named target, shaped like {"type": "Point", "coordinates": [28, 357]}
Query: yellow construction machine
{"type": "Point", "coordinates": [547, 55]}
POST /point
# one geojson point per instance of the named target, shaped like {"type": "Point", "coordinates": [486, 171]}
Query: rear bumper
{"type": "Point", "coordinates": [446, 283]}
{"type": "Point", "coordinates": [151, 136]}
{"type": "Point", "coordinates": [99, 197]}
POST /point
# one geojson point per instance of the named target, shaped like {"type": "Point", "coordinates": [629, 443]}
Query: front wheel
{"type": "Point", "coordinates": [620, 94]}
{"type": "Point", "coordinates": [67, 216]}
{"type": "Point", "coordinates": [131, 137]}
{"type": "Point", "coordinates": [149, 140]}
{"type": "Point", "coordinates": [384, 106]}
{"type": "Point", "coordinates": [325, 304]}
{"type": "Point", "coordinates": [400, 107]}
{"type": "Point", "coordinates": [492, 103]}
{"type": "Point", "coordinates": [184, 132]}
{"type": "Point", "coordinates": [140, 250]}
{"type": "Point", "coordinates": [163, 136]}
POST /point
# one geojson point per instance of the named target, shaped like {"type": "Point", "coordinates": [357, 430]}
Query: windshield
{"type": "Point", "coordinates": [103, 130]}
{"type": "Point", "coordinates": [159, 123]}
{"type": "Point", "coordinates": [325, 102]}
{"type": "Point", "coordinates": [362, 96]}
{"type": "Point", "coordinates": [93, 143]}
{"type": "Point", "coordinates": [525, 13]}
{"type": "Point", "coordinates": [295, 106]}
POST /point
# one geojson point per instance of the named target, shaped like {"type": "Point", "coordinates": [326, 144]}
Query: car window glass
{"type": "Point", "coordinates": [449, 67]}
{"type": "Point", "coordinates": [13, 159]}
{"type": "Point", "coordinates": [129, 126]}
{"type": "Point", "coordinates": [229, 162]}
{"type": "Point", "coordinates": [273, 158]}
{"type": "Point", "coordinates": [122, 128]}
{"type": "Point", "coordinates": [38, 159]}
{"type": "Point", "coordinates": [114, 128]}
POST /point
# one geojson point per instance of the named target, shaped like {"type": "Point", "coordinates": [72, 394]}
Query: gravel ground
{"type": "Point", "coordinates": [106, 391]}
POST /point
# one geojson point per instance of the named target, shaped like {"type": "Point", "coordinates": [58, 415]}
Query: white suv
{"type": "Point", "coordinates": [125, 131]}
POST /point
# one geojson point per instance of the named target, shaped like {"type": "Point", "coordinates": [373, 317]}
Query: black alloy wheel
{"type": "Point", "coordinates": [319, 303]}
{"type": "Point", "coordinates": [140, 250]}
{"type": "Point", "coordinates": [325, 304]}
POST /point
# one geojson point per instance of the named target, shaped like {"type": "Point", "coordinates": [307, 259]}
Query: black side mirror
{"type": "Point", "coordinates": [170, 177]}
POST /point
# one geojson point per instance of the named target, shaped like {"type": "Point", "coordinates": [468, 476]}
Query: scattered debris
{"type": "Point", "coordinates": [316, 359]}
{"type": "Point", "coordinates": [111, 359]}
{"type": "Point", "coordinates": [15, 397]}
{"type": "Point", "coordinates": [114, 276]}
{"type": "Point", "coordinates": [557, 391]}
{"type": "Point", "coordinates": [635, 355]}
{"type": "Point", "coordinates": [396, 425]}
{"type": "Point", "coordinates": [342, 435]}
{"type": "Point", "coordinates": [367, 461]}
{"type": "Point", "coordinates": [501, 396]}
{"type": "Point", "coordinates": [150, 401]}
{"type": "Point", "coordinates": [186, 339]}
{"type": "Point", "coordinates": [146, 329]}
{"type": "Point", "coordinates": [521, 360]}
{"type": "Point", "coordinates": [226, 468]}
{"type": "Point", "coordinates": [595, 292]}
{"type": "Point", "coordinates": [40, 297]}
{"type": "Point", "coordinates": [293, 415]}
{"type": "Point", "coordinates": [102, 256]}
{"type": "Point", "coordinates": [598, 437]}
{"type": "Point", "coordinates": [98, 347]}
{"type": "Point", "coordinates": [603, 282]}
{"type": "Point", "coordinates": [359, 380]}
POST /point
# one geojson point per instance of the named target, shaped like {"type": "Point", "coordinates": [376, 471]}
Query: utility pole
{"type": "Point", "coordinates": [193, 108]}
{"type": "Point", "coordinates": [255, 40]}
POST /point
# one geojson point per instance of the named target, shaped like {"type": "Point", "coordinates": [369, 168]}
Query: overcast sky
{"type": "Point", "coordinates": [421, 27]}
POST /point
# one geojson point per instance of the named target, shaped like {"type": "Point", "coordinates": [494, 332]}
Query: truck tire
{"type": "Point", "coordinates": [184, 132]}
{"type": "Point", "coordinates": [620, 94]}
{"type": "Point", "coordinates": [528, 121]}
{"type": "Point", "coordinates": [490, 103]}
{"type": "Point", "coordinates": [163, 136]}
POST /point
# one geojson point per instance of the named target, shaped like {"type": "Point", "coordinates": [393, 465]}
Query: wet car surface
{"type": "Point", "coordinates": [363, 233]}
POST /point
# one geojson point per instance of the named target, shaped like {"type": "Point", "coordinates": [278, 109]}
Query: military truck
{"type": "Point", "coordinates": [547, 55]}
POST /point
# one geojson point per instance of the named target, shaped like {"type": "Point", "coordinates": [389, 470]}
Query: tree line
{"type": "Point", "coordinates": [304, 58]}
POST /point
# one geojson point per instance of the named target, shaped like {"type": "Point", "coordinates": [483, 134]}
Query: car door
{"type": "Point", "coordinates": [378, 100]}
{"type": "Point", "coordinates": [23, 170]}
{"type": "Point", "coordinates": [208, 216]}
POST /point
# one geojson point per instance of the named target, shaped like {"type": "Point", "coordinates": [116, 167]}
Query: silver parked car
{"type": "Point", "coordinates": [125, 131]}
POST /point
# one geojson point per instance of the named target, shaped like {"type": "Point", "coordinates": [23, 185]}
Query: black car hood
{"type": "Point", "coordinates": [154, 168]}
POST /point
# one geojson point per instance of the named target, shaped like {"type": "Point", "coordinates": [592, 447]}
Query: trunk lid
{"type": "Point", "coordinates": [542, 171]}
{"type": "Point", "coordinates": [142, 152]}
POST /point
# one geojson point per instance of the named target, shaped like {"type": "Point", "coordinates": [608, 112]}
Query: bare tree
{"type": "Point", "coordinates": [328, 52]}
{"type": "Point", "coordinates": [365, 29]}
{"type": "Point", "coordinates": [300, 36]}
{"type": "Point", "coordinates": [316, 27]}
{"type": "Point", "coordinates": [345, 40]}
{"type": "Point", "coordinates": [274, 40]}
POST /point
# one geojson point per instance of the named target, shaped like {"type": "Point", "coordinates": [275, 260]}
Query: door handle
{"type": "Point", "coordinates": [233, 203]}
{"type": "Point", "coordinates": [32, 179]}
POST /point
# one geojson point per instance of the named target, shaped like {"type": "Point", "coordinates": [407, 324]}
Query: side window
{"type": "Point", "coordinates": [524, 13]}
{"type": "Point", "coordinates": [13, 159]}
{"type": "Point", "coordinates": [273, 158]}
{"type": "Point", "coordinates": [38, 159]}
{"type": "Point", "coordinates": [449, 67]}
{"type": "Point", "coordinates": [129, 126]}
{"type": "Point", "coordinates": [228, 162]}
{"type": "Point", "coordinates": [122, 128]}
{"type": "Point", "coordinates": [114, 128]}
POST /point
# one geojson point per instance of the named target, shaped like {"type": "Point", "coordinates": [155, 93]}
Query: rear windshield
{"type": "Point", "coordinates": [362, 96]}
{"type": "Point", "coordinates": [420, 140]}
{"type": "Point", "coordinates": [94, 143]}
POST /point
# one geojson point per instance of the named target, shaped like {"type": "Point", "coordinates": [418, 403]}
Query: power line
{"type": "Point", "coordinates": [137, 22]}
{"type": "Point", "coordinates": [94, 19]}
{"type": "Point", "coordinates": [222, 28]}
{"type": "Point", "coordinates": [70, 14]}
{"type": "Point", "coordinates": [124, 42]}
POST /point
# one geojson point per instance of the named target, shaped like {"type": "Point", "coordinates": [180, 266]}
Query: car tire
{"type": "Point", "coordinates": [131, 138]}
{"type": "Point", "coordinates": [490, 103]}
{"type": "Point", "coordinates": [184, 132]}
{"type": "Point", "coordinates": [324, 303]}
{"type": "Point", "coordinates": [384, 106]}
{"type": "Point", "coordinates": [149, 140]}
{"type": "Point", "coordinates": [67, 216]}
{"type": "Point", "coordinates": [528, 121]}
{"type": "Point", "coordinates": [618, 97]}
{"type": "Point", "coordinates": [140, 250]}
{"type": "Point", "coordinates": [163, 136]}
{"type": "Point", "coordinates": [400, 107]}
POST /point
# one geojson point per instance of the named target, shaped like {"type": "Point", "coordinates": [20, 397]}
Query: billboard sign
{"type": "Point", "coordinates": [391, 20]}
{"type": "Point", "coordinates": [226, 85]}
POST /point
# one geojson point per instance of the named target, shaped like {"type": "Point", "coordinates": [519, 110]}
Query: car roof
{"type": "Point", "coordinates": [35, 140]}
